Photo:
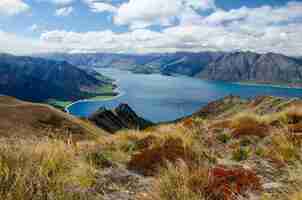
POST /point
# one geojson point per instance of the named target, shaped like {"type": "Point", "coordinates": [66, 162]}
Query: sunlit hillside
{"type": "Point", "coordinates": [219, 153]}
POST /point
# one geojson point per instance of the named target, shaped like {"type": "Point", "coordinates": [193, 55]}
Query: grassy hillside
{"type": "Point", "coordinates": [24, 119]}
{"type": "Point", "coordinates": [231, 149]}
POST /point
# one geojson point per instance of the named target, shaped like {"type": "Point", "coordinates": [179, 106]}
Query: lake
{"type": "Point", "coordinates": [165, 98]}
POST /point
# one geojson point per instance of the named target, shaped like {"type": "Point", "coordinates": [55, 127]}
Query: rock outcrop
{"type": "Point", "coordinates": [122, 117]}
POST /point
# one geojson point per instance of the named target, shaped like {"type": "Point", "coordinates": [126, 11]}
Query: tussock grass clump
{"type": "Point", "coordinates": [220, 182]}
{"type": "Point", "coordinates": [230, 183]}
{"type": "Point", "coordinates": [224, 137]}
{"type": "Point", "coordinates": [170, 148]}
{"type": "Point", "coordinates": [249, 124]}
{"type": "Point", "coordinates": [145, 151]}
{"type": "Point", "coordinates": [34, 170]}
{"type": "Point", "coordinates": [292, 115]}
{"type": "Point", "coordinates": [296, 196]}
{"type": "Point", "coordinates": [240, 154]}
{"type": "Point", "coordinates": [282, 149]}
{"type": "Point", "coordinates": [178, 182]}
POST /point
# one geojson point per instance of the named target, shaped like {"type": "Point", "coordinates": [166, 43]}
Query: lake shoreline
{"type": "Point", "coordinates": [117, 90]}
{"type": "Point", "coordinates": [267, 85]}
{"type": "Point", "coordinates": [166, 98]}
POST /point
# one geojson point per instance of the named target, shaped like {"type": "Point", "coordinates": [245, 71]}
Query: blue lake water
{"type": "Point", "coordinates": [164, 98]}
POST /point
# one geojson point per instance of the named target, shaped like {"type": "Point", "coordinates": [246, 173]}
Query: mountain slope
{"type": "Point", "coordinates": [266, 68]}
{"type": "Point", "coordinates": [37, 79]}
{"type": "Point", "coordinates": [24, 119]}
{"type": "Point", "coordinates": [237, 66]}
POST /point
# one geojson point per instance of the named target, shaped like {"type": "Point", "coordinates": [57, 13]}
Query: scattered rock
{"type": "Point", "coordinates": [121, 184]}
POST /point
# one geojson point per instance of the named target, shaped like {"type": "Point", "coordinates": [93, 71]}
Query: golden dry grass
{"type": "Point", "coordinates": [23, 119]}
{"type": "Point", "coordinates": [179, 181]}
{"type": "Point", "coordinates": [47, 169]}
{"type": "Point", "coordinates": [249, 124]}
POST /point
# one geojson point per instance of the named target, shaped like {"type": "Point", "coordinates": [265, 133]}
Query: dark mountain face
{"type": "Point", "coordinates": [185, 63]}
{"type": "Point", "coordinates": [238, 66]}
{"type": "Point", "coordinates": [122, 117]}
{"type": "Point", "coordinates": [39, 79]}
{"type": "Point", "coordinates": [253, 67]}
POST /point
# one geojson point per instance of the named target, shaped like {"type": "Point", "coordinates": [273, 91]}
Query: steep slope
{"type": "Point", "coordinates": [122, 117]}
{"type": "Point", "coordinates": [24, 119]}
{"type": "Point", "coordinates": [189, 64]}
{"type": "Point", "coordinates": [185, 63]}
{"type": "Point", "coordinates": [232, 105]}
{"type": "Point", "coordinates": [248, 66]}
{"type": "Point", "coordinates": [104, 60]}
{"type": "Point", "coordinates": [237, 66]}
{"type": "Point", "coordinates": [37, 79]}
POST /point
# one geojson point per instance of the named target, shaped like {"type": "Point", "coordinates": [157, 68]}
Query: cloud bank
{"type": "Point", "coordinates": [13, 7]}
{"type": "Point", "coordinates": [185, 27]}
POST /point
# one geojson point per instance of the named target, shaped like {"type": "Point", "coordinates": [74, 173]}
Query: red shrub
{"type": "Point", "coordinates": [228, 183]}
{"type": "Point", "coordinates": [188, 123]}
{"type": "Point", "coordinates": [148, 160]}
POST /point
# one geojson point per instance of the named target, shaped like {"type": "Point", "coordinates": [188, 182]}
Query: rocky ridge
{"type": "Point", "coordinates": [122, 117]}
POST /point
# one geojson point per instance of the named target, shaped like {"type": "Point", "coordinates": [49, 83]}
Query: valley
{"type": "Point", "coordinates": [161, 98]}
{"type": "Point", "coordinates": [150, 100]}
{"type": "Point", "coordinates": [241, 66]}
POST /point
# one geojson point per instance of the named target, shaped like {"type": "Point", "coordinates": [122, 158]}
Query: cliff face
{"type": "Point", "coordinates": [122, 117]}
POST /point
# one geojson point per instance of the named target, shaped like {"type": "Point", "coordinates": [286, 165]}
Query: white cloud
{"type": "Point", "coordinates": [33, 28]}
{"type": "Point", "coordinates": [201, 4]}
{"type": "Point", "coordinates": [58, 2]}
{"type": "Point", "coordinates": [97, 6]}
{"type": "Point", "coordinates": [64, 11]}
{"type": "Point", "coordinates": [12, 7]}
{"type": "Point", "coordinates": [141, 14]}
{"type": "Point", "coordinates": [11, 43]}
{"type": "Point", "coordinates": [262, 15]}
{"type": "Point", "coordinates": [283, 39]}
{"type": "Point", "coordinates": [263, 29]}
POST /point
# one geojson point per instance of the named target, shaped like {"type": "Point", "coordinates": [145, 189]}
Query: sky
{"type": "Point", "coordinates": [150, 26]}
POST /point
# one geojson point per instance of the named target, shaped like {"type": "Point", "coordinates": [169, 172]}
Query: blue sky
{"type": "Point", "coordinates": [144, 26]}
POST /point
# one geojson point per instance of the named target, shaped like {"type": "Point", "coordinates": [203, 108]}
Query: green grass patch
{"type": "Point", "coordinates": [59, 103]}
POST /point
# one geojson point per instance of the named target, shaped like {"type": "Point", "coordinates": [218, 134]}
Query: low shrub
{"type": "Point", "coordinates": [180, 182]}
{"type": "Point", "coordinates": [229, 183]}
{"type": "Point", "coordinates": [292, 115]}
{"type": "Point", "coordinates": [283, 149]}
{"type": "Point", "coordinates": [296, 196]}
{"type": "Point", "coordinates": [148, 160]}
{"type": "Point", "coordinates": [249, 124]}
{"type": "Point", "coordinates": [224, 137]}
{"type": "Point", "coordinates": [240, 154]}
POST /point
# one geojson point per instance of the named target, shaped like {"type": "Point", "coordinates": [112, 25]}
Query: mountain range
{"type": "Point", "coordinates": [233, 66]}
{"type": "Point", "coordinates": [38, 79]}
